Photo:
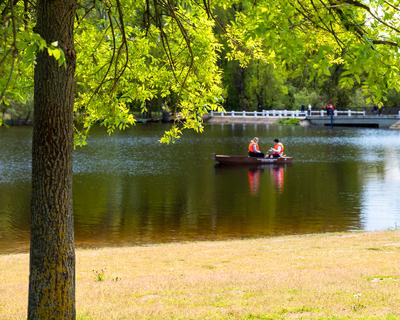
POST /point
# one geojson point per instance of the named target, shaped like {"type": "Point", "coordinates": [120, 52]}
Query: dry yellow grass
{"type": "Point", "coordinates": [350, 276]}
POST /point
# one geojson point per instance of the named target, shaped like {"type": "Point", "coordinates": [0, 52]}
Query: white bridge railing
{"type": "Point", "coordinates": [264, 113]}
{"type": "Point", "coordinates": [286, 113]}
{"type": "Point", "coordinates": [349, 113]}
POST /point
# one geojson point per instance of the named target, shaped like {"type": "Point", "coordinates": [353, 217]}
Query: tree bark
{"type": "Point", "coordinates": [52, 253]}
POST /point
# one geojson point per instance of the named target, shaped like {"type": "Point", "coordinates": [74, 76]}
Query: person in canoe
{"type": "Point", "coordinates": [254, 149]}
{"type": "Point", "coordinates": [277, 150]}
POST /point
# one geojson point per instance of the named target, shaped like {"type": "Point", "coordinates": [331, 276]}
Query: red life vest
{"type": "Point", "coordinates": [252, 148]}
{"type": "Point", "coordinates": [279, 148]}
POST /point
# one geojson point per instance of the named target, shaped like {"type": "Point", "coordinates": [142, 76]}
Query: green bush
{"type": "Point", "coordinates": [289, 121]}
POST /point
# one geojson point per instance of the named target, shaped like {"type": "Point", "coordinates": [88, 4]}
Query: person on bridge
{"type": "Point", "coordinates": [254, 149]}
{"type": "Point", "coordinates": [330, 109]}
{"type": "Point", "coordinates": [277, 150]}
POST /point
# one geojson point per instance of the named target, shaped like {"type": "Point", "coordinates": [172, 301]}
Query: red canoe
{"type": "Point", "coordinates": [245, 160]}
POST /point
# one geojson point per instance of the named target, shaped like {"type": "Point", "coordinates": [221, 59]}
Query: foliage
{"type": "Point", "coordinates": [289, 121]}
{"type": "Point", "coordinates": [357, 100]}
{"type": "Point", "coordinates": [307, 96]}
{"type": "Point", "coordinates": [255, 87]}
{"type": "Point", "coordinates": [137, 56]}
{"type": "Point", "coordinates": [330, 46]}
{"type": "Point", "coordinates": [19, 45]}
{"type": "Point", "coordinates": [147, 76]}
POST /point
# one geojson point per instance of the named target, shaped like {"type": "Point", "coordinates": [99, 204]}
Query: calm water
{"type": "Point", "coordinates": [129, 189]}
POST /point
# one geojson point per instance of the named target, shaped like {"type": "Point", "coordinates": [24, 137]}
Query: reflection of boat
{"type": "Point", "coordinates": [245, 160]}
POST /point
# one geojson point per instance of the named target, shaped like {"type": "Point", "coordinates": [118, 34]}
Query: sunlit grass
{"type": "Point", "coordinates": [331, 276]}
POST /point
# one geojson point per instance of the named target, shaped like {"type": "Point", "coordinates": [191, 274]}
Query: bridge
{"type": "Point", "coordinates": [343, 118]}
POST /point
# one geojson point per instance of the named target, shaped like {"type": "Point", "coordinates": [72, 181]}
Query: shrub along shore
{"type": "Point", "coordinates": [323, 276]}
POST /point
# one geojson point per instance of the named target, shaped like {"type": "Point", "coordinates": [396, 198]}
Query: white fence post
{"type": "Point", "coordinates": [335, 113]}
{"type": "Point", "coordinates": [322, 113]}
{"type": "Point", "coordinates": [255, 113]}
{"type": "Point", "coordinates": [349, 113]}
{"type": "Point", "coordinates": [222, 114]}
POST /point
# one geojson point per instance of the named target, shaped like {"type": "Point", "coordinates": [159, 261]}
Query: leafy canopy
{"type": "Point", "coordinates": [134, 55]}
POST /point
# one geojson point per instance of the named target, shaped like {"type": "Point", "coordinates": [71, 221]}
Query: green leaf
{"type": "Point", "coordinates": [56, 53]}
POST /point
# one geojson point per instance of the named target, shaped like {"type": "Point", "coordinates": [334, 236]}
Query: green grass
{"type": "Point", "coordinates": [289, 121]}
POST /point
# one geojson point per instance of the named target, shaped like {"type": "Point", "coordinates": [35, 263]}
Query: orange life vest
{"type": "Point", "coordinates": [251, 147]}
{"type": "Point", "coordinates": [279, 148]}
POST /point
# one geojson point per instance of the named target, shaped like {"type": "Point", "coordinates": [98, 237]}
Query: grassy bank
{"type": "Point", "coordinates": [331, 276]}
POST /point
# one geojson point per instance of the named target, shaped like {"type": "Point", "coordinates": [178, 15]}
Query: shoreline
{"type": "Point", "coordinates": [84, 246]}
{"type": "Point", "coordinates": [349, 275]}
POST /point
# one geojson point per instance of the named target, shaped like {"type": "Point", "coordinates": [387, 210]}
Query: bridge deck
{"type": "Point", "coordinates": [372, 121]}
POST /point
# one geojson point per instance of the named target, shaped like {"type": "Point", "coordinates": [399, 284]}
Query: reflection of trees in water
{"type": "Point", "coordinates": [14, 216]}
{"type": "Point", "coordinates": [323, 197]}
{"type": "Point", "coordinates": [306, 197]}
{"type": "Point", "coordinates": [211, 203]}
{"type": "Point", "coordinates": [224, 201]}
{"type": "Point", "coordinates": [144, 209]}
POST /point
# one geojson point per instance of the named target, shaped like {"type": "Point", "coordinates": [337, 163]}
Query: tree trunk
{"type": "Point", "coordinates": [52, 253]}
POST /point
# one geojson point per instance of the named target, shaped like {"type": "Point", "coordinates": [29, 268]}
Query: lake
{"type": "Point", "coordinates": [129, 189]}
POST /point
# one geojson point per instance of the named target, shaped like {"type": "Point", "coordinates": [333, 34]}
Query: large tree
{"type": "Point", "coordinates": [52, 256]}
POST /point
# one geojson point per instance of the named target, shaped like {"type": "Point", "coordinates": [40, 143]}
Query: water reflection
{"type": "Point", "coordinates": [278, 172]}
{"type": "Point", "coordinates": [345, 179]}
{"type": "Point", "coordinates": [253, 176]}
{"type": "Point", "coordinates": [379, 200]}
